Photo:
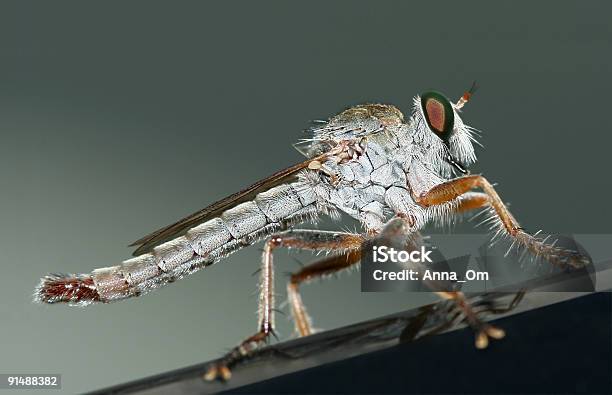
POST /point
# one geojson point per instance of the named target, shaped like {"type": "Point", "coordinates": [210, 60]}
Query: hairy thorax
{"type": "Point", "coordinates": [371, 183]}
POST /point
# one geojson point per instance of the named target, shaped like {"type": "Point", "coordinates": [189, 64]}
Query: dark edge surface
{"type": "Point", "coordinates": [562, 348]}
{"type": "Point", "coordinates": [554, 339]}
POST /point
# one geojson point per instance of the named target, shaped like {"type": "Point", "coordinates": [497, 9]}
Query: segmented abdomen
{"type": "Point", "coordinates": [200, 246]}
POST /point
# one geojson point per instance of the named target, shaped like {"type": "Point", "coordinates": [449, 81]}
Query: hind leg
{"type": "Point", "coordinates": [300, 239]}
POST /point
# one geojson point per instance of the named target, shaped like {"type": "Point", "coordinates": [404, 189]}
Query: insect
{"type": "Point", "coordinates": [369, 162]}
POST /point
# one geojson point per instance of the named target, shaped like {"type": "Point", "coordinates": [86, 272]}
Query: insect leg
{"type": "Point", "coordinates": [299, 239]}
{"type": "Point", "coordinates": [484, 331]}
{"type": "Point", "coordinates": [452, 189]}
{"type": "Point", "coordinates": [472, 201]}
{"type": "Point", "coordinates": [333, 264]}
{"type": "Point", "coordinates": [397, 233]}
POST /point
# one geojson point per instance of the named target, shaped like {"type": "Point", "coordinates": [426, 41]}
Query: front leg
{"type": "Point", "coordinates": [483, 330]}
{"type": "Point", "coordinates": [450, 190]}
{"type": "Point", "coordinates": [299, 239]}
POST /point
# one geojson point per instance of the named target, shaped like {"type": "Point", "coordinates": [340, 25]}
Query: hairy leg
{"type": "Point", "coordinates": [483, 329]}
{"type": "Point", "coordinates": [300, 239]}
{"type": "Point", "coordinates": [472, 201]}
{"type": "Point", "coordinates": [461, 187]}
{"type": "Point", "coordinates": [397, 234]}
{"type": "Point", "coordinates": [333, 264]}
{"type": "Point", "coordinates": [452, 189]}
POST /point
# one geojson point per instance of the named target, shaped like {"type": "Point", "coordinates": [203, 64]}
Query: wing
{"type": "Point", "coordinates": [351, 124]}
{"type": "Point", "coordinates": [170, 232]}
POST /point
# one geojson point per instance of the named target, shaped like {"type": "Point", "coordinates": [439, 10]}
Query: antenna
{"type": "Point", "coordinates": [466, 96]}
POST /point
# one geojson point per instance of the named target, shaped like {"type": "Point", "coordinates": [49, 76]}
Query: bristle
{"type": "Point", "coordinates": [75, 289]}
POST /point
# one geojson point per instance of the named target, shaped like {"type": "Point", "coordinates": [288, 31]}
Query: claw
{"type": "Point", "coordinates": [494, 332]}
{"type": "Point", "coordinates": [488, 331]}
{"type": "Point", "coordinates": [218, 371]}
{"type": "Point", "coordinates": [482, 340]}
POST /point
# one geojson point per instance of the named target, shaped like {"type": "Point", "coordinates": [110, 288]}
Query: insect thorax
{"type": "Point", "coordinates": [373, 186]}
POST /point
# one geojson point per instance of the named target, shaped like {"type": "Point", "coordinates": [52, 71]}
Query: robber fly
{"type": "Point", "coordinates": [369, 162]}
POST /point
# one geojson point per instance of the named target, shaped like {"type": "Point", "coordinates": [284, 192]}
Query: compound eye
{"type": "Point", "coordinates": [438, 113]}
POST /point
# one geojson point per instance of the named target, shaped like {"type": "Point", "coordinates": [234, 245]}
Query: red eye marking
{"type": "Point", "coordinates": [435, 114]}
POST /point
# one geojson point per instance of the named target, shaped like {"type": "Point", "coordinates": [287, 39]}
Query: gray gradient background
{"type": "Point", "coordinates": [118, 118]}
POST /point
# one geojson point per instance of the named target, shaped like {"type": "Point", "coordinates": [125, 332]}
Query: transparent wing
{"type": "Point", "coordinates": [174, 230]}
{"type": "Point", "coordinates": [353, 123]}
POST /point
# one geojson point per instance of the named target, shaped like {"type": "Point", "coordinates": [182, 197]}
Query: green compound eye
{"type": "Point", "coordinates": [438, 113]}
